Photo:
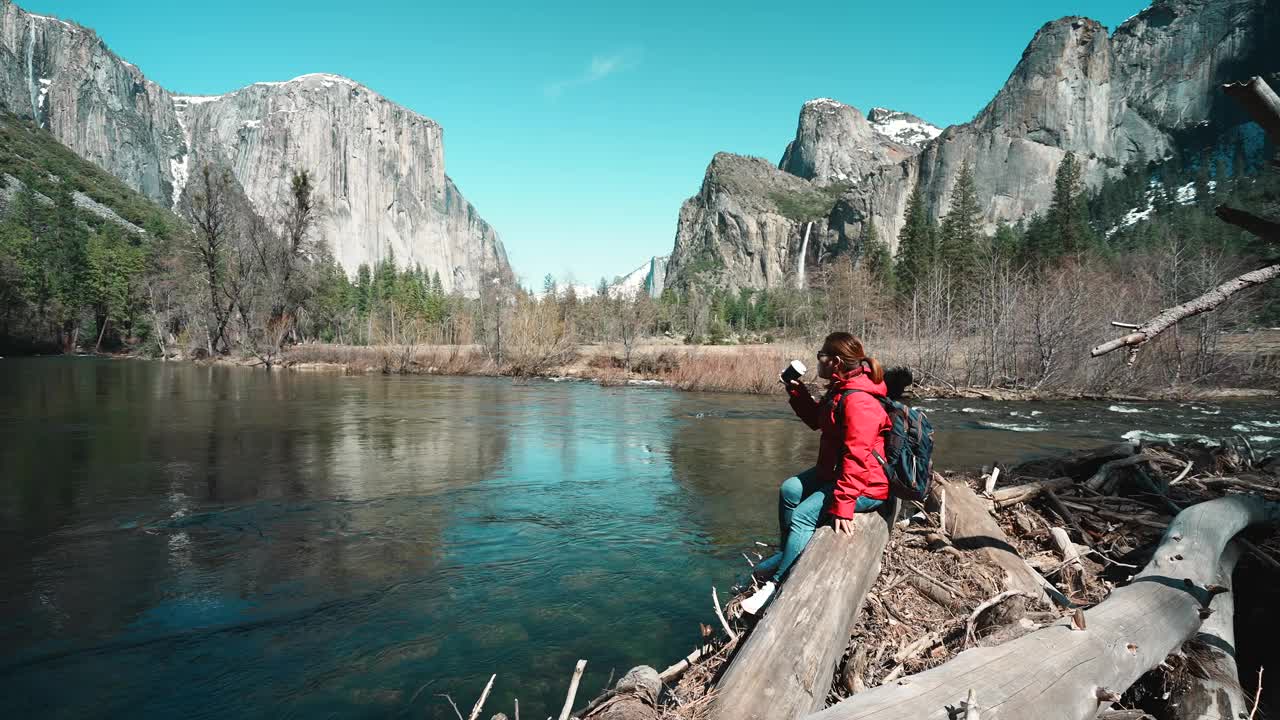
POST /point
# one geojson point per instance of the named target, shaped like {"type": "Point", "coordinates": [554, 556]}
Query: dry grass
{"type": "Point", "coordinates": [394, 359]}
{"type": "Point", "coordinates": [739, 368]}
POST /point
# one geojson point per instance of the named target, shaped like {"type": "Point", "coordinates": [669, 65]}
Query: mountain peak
{"type": "Point", "coordinates": [902, 127]}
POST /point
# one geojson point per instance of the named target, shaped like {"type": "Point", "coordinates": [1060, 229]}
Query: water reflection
{"type": "Point", "coordinates": [181, 540]}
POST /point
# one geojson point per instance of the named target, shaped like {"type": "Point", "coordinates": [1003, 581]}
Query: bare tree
{"type": "Point", "coordinates": [636, 316]}
{"type": "Point", "coordinates": [215, 227]}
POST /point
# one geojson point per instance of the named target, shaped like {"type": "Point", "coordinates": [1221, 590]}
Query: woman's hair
{"type": "Point", "coordinates": [849, 349]}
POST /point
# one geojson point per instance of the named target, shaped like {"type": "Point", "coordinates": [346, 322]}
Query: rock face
{"type": "Point", "coordinates": [734, 233]}
{"type": "Point", "coordinates": [835, 143]}
{"type": "Point", "coordinates": [1110, 99]}
{"type": "Point", "coordinates": [379, 168]}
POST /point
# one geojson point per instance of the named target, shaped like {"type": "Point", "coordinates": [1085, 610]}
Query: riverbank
{"type": "Point", "coordinates": [743, 369]}
{"type": "Point", "coordinates": [749, 369]}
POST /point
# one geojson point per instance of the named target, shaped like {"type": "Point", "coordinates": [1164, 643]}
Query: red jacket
{"type": "Point", "coordinates": [844, 454]}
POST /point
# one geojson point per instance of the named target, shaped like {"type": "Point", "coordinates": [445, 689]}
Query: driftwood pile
{"type": "Point", "coordinates": [1094, 585]}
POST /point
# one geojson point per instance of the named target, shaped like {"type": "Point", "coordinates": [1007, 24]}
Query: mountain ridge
{"type": "Point", "coordinates": [379, 167]}
{"type": "Point", "coordinates": [1111, 98]}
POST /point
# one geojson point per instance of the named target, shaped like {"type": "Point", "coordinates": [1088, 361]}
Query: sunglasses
{"type": "Point", "coordinates": [827, 356]}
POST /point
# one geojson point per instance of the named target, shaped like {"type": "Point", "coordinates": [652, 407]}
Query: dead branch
{"type": "Point", "coordinates": [715, 599]}
{"type": "Point", "coordinates": [1204, 303]}
{"type": "Point", "coordinates": [1262, 227]}
{"type": "Point", "coordinates": [573, 689]}
{"type": "Point", "coordinates": [456, 711]}
{"type": "Point", "coordinates": [1257, 697]}
{"type": "Point", "coordinates": [475, 711]}
{"type": "Point", "coordinates": [1054, 673]}
{"type": "Point", "coordinates": [971, 705]}
{"type": "Point", "coordinates": [1005, 497]}
{"type": "Point", "coordinates": [1260, 102]}
{"type": "Point", "coordinates": [988, 603]}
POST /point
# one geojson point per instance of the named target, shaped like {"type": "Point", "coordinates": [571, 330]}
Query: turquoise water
{"type": "Point", "coordinates": [216, 542]}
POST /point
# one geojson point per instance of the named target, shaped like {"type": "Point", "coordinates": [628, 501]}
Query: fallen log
{"type": "Point", "coordinates": [1107, 473]}
{"type": "Point", "coordinates": [1006, 497]}
{"type": "Point", "coordinates": [1063, 673]}
{"type": "Point", "coordinates": [785, 666]}
{"type": "Point", "coordinates": [971, 527]}
{"type": "Point", "coordinates": [1214, 691]}
{"type": "Point", "coordinates": [1078, 465]}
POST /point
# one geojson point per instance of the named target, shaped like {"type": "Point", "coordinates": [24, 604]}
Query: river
{"type": "Point", "coordinates": [195, 541]}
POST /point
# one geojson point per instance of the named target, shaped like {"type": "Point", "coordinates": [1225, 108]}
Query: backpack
{"type": "Point", "coordinates": [908, 447]}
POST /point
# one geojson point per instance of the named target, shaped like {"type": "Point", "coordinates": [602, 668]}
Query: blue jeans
{"type": "Point", "coordinates": [801, 502]}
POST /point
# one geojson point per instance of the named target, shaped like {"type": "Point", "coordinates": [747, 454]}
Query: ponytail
{"type": "Point", "coordinates": [874, 369]}
{"type": "Point", "coordinates": [852, 355]}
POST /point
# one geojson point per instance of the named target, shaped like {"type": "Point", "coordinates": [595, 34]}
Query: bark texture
{"type": "Point", "coordinates": [785, 666]}
{"type": "Point", "coordinates": [1058, 672]}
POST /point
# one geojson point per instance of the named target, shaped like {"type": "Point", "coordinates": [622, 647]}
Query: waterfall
{"type": "Point", "coordinates": [31, 71]}
{"type": "Point", "coordinates": [804, 250]}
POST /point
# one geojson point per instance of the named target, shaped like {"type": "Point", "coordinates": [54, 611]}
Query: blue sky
{"type": "Point", "coordinates": [578, 128]}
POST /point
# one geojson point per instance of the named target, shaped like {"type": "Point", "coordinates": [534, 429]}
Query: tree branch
{"type": "Point", "coordinates": [1204, 303]}
{"type": "Point", "coordinates": [1260, 102]}
{"type": "Point", "coordinates": [1262, 227]}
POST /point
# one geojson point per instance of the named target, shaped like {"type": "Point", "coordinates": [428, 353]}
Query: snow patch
{"type": "Point", "coordinates": [1184, 195]}
{"type": "Point", "coordinates": [900, 127]}
{"type": "Point", "coordinates": [327, 80]}
{"type": "Point", "coordinates": [47, 18]}
{"type": "Point", "coordinates": [196, 99]}
{"type": "Point", "coordinates": [824, 102]}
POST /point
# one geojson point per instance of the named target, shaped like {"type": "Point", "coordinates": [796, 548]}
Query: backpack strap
{"type": "Point", "coordinates": [840, 396]}
{"type": "Point", "coordinates": [837, 399]}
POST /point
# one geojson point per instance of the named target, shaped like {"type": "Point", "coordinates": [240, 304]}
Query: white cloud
{"type": "Point", "coordinates": [601, 67]}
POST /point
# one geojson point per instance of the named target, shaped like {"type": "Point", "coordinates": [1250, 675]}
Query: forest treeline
{"type": "Point", "coordinates": [1018, 307]}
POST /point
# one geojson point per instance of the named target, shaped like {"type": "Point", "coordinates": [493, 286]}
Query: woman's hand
{"type": "Point", "coordinates": [844, 526]}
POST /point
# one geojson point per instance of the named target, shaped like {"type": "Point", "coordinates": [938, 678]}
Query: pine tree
{"type": "Point", "coordinates": [1004, 246]}
{"type": "Point", "coordinates": [961, 229]}
{"type": "Point", "coordinates": [1067, 230]}
{"type": "Point", "coordinates": [916, 246]}
{"type": "Point", "coordinates": [1239, 163]}
{"type": "Point", "coordinates": [1203, 200]}
{"type": "Point", "coordinates": [875, 254]}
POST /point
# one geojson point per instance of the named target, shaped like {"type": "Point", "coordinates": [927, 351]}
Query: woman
{"type": "Point", "coordinates": [848, 478]}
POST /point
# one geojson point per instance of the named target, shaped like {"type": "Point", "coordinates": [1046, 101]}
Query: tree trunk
{"type": "Point", "coordinates": [1079, 465]}
{"type": "Point", "coordinates": [784, 668]}
{"type": "Point", "coordinates": [971, 527]}
{"type": "Point", "coordinates": [1004, 497]}
{"type": "Point", "coordinates": [1217, 695]}
{"type": "Point", "coordinates": [1059, 672]}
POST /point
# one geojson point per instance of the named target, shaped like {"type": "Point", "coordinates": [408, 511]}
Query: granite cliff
{"type": "Point", "coordinates": [379, 168]}
{"type": "Point", "coordinates": [1110, 98]}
